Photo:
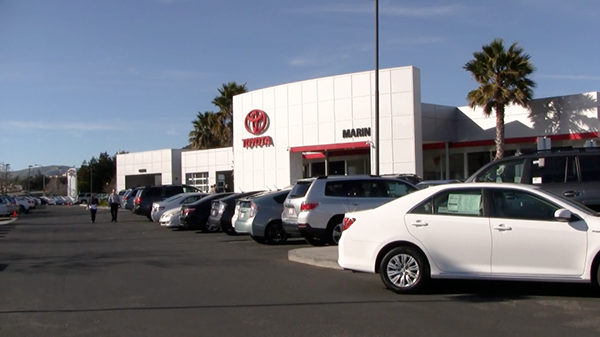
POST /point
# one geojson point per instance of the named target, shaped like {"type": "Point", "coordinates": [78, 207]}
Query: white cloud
{"type": "Point", "coordinates": [297, 62]}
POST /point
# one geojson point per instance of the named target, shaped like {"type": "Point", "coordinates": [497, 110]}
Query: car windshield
{"type": "Point", "coordinates": [578, 206]}
{"type": "Point", "coordinates": [173, 198]}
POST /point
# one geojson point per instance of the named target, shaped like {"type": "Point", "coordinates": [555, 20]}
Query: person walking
{"type": "Point", "coordinates": [114, 200]}
{"type": "Point", "coordinates": [93, 207]}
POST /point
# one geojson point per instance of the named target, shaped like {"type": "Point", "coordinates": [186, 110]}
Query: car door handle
{"type": "Point", "coordinates": [571, 194]}
{"type": "Point", "coordinates": [502, 228]}
{"type": "Point", "coordinates": [419, 223]}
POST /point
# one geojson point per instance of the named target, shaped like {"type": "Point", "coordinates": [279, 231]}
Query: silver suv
{"type": "Point", "coordinates": [315, 207]}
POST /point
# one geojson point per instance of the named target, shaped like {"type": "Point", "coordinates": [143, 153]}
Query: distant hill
{"type": "Point", "coordinates": [51, 170]}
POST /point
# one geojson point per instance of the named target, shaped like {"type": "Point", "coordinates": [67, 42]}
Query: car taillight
{"type": "Point", "coordinates": [305, 206]}
{"type": "Point", "coordinates": [221, 208]}
{"type": "Point", "coordinates": [253, 209]}
{"type": "Point", "coordinates": [347, 223]}
{"type": "Point", "coordinates": [187, 211]}
{"type": "Point", "coordinates": [138, 200]}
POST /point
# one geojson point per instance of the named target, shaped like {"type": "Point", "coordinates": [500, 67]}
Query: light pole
{"type": "Point", "coordinates": [29, 179]}
{"type": "Point", "coordinates": [5, 185]}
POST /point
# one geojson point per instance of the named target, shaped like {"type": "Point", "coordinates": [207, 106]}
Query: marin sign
{"type": "Point", "coordinates": [257, 122]}
{"type": "Point", "coordinates": [360, 132]}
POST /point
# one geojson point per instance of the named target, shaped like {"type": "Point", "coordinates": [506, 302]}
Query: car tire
{"type": "Point", "coordinates": [334, 231]}
{"type": "Point", "coordinates": [275, 234]}
{"type": "Point", "coordinates": [596, 279]}
{"type": "Point", "coordinates": [404, 270]}
{"type": "Point", "coordinates": [204, 227]}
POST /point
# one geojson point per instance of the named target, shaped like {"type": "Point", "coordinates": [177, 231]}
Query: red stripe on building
{"type": "Point", "coordinates": [520, 140]}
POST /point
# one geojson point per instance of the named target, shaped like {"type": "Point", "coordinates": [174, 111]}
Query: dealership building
{"type": "Point", "coordinates": [326, 126]}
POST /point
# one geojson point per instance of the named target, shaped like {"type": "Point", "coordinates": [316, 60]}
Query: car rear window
{"type": "Point", "coordinates": [299, 190]}
{"type": "Point", "coordinates": [153, 192]}
{"type": "Point", "coordinates": [280, 198]}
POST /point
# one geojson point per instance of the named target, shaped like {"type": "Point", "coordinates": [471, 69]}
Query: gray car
{"type": "Point", "coordinates": [260, 216]}
{"type": "Point", "coordinates": [315, 207]}
{"type": "Point", "coordinates": [569, 173]}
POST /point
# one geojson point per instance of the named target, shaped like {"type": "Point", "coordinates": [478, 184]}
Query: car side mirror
{"type": "Point", "coordinates": [563, 215]}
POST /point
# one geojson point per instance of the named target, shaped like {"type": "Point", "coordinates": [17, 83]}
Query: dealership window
{"type": "Point", "coordinates": [198, 180]}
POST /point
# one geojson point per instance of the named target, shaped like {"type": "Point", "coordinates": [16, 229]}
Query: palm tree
{"type": "Point", "coordinates": [225, 115]}
{"type": "Point", "coordinates": [203, 134]}
{"type": "Point", "coordinates": [503, 80]}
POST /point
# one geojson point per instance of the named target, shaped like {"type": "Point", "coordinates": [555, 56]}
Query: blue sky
{"type": "Point", "coordinates": [81, 77]}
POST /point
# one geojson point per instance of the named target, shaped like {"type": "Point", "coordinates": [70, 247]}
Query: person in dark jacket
{"type": "Point", "coordinates": [93, 207]}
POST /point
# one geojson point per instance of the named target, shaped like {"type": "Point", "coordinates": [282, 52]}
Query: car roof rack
{"type": "Point", "coordinates": [570, 149]}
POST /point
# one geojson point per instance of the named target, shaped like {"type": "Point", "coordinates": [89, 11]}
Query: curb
{"type": "Point", "coordinates": [6, 222]}
{"type": "Point", "coordinates": [325, 257]}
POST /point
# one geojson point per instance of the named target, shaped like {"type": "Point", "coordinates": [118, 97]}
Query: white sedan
{"type": "Point", "coordinates": [474, 231]}
{"type": "Point", "coordinates": [170, 218]}
{"type": "Point", "coordinates": [159, 207]}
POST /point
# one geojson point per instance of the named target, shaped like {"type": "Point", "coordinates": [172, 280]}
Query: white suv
{"type": "Point", "coordinates": [84, 198]}
{"type": "Point", "coordinates": [315, 207]}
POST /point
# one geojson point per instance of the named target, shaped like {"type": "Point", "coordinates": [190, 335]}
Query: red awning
{"type": "Point", "coordinates": [331, 147]}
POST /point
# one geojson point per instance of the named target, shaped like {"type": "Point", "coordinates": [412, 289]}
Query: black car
{"type": "Point", "coordinates": [195, 215]}
{"type": "Point", "coordinates": [222, 210]}
{"type": "Point", "coordinates": [142, 205]}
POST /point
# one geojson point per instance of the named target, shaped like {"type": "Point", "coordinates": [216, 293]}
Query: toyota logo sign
{"type": "Point", "coordinates": [256, 122]}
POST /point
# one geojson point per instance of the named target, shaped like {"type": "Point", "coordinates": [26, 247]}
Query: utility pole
{"type": "Point", "coordinates": [29, 179]}
{"type": "Point", "coordinates": [6, 182]}
{"type": "Point", "coordinates": [91, 179]}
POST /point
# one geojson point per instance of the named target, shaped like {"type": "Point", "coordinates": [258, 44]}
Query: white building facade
{"type": "Point", "coordinates": [326, 126]}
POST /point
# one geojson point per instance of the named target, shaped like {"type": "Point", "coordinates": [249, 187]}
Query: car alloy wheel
{"type": "Point", "coordinates": [404, 270]}
{"type": "Point", "coordinates": [275, 234]}
{"type": "Point", "coordinates": [336, 233]}
{"type": "Point", "coordinates": [334, 230]}
{"type": "Point", "coordinates": [212, 228]}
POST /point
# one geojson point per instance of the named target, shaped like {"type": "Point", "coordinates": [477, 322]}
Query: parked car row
{"type": "Point", "coordinates": [496, 226]}
{"type": "Point", "coordinates": [312, 209]}
{"type": "Point", "coordinates": [20, 204]}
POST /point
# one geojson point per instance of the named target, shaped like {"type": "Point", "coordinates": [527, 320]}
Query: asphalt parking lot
{"type": "Point", "coordinates": [61, 275]}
